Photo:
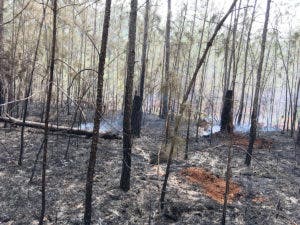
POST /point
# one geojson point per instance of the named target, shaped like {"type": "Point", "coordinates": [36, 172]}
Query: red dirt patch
{"type": "Point", "coordinates": [259, 199]}
{"type": "Point", "coordinates": [243, 140]}
{"type": "Point", "coordinates": [260, 143]}
{"type": "Point", "coordinates": [213, 186]}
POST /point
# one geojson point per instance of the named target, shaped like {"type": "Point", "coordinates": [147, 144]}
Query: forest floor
{"type": "Point", "coordinates": [265, 193]}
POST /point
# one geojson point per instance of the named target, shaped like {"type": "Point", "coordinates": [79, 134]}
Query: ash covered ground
{"type": "Point", "coordinates": [269, 189]}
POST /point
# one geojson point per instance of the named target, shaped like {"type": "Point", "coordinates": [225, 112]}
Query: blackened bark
{"type": "Point", "coordinates": [295, 109]}
{"type": "Point", "coordinates": [1, 96]}
{"type": "Point", "coordinates": [47, 113]}
{"type": "Point", "coordinates": [298, 136]}
{"type": "Point", "coordinates": [257, 88]}
{"type": "Point", "coordinates": [97, 117]}
{"type": "Point", "coordinates": [241, 106]}
{"type": "Point", "coordinates": [136, 117]}
{"type": "Point", "coordinates": [62, 129]}
{"type": "Point", "coordinates": [227, 186]}
{"type": "Point", "coordinates": [187, 139]}
{"type": "Point", "coordinates": [1, 60]}
{"type": "Point", "coordinates": [145, 47]}
{"type": "Point", "coordinates": [166, 88]}
{"type": "Point", "coordinates": [226, 117]}
{"type": "Point", "coordinates": [126, 165]}
{"type": "Point", "coordinates": [137, 105]}
{"type": "Point", "coordinates": [28, 90]}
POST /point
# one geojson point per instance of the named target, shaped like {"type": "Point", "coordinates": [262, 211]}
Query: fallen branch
{"type": "Point", "coordinates": [55, 128]}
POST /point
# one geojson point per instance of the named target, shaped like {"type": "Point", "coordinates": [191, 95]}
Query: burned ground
{"type": "Point", "coordinates": [268, 190]}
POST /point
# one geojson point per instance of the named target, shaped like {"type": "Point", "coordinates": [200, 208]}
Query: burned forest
{"type": "Point", "coordinates": [155, 112]}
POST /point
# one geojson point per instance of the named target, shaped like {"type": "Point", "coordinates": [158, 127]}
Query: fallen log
{"type": "Point", "coordinates": [55, 128]}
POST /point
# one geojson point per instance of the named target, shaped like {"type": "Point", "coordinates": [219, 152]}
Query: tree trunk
{"type": "Point", "coordinates": [137, 107]}
{"type": "Point", "coordinates": [287, 85]}
{"type": "Point", "coordinates": [235, 57]}
{"type": "Point", "coordinates": [47, 113]}
{"type": "Point", "coordinates": [2, 98]}
{"type": "Point", "coordinates": [298, 136]}
{"type": "Point", "coordinates": [166, 88]}
{"type": "Point", "coordinates": [202, 80]}
{"type": "Point", "coordinates": [97, 117]}
{"type": "Point", "coordinates": [254, 118]}
{"type": "Point", "coordinates": [187, 139]}
{"type": "Point", "coordinates": [226, 53]}
{"type": "Point", "coordinates": [184, 100]}
{"type": "Point", "coordinates": [55, 128]}
{"type": "Point", "coordinates": [227, 186]}
{"type": "Point", "coordinates": [126, 165]}
{"type": "Point", "coordinates": [136, 118]}
{"type": "Point", "coordinates": [297, 145]}
{"type": "Point", "coordinates": [28, 90]}
{"type": "Point", "coordinates": [226, 116]}
{"type": "Point", "coordinates": [241, 106]}
{"type": "Point", "coordinates": [295, 108]}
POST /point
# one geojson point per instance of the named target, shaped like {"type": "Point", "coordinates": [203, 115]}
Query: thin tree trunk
{"type": "Point", "coordinates": [272, 97]}
{"type": "Point", "coordinates": [28, 90]}
{"type": "Point", "coordinates": [253, 128]}
{"type": "Point", "coordinates": [97, 117]}
{"type": "Point", "coordinates": [287, 85]}
{"type": "Point", "coordinates": [241, 106]}
{"type": "Point", "coordinates": [296, 102]}
{"type": "Point", "coordinates": [2, 98]}
{"type": "Point", "coordinates": [137, 131]}
{"type": "Point", "coordinates": [227, 186]}
{"type": "Point", "coordinates": [298, 140]}
{"type": "Point", "coordinates": [187, 139]}
{"type": "Point", "coordinates": [295, 108]}
{"type": "Point", "coordinates": [126, 165]}
{"type": "Point", "coordinates": [47, 113]}
{"type": "Point", "coordinates": [234, 54]}
{"type": "Point", "coordinates": [202, 80]}
{"type": "Point", "coordinates": [166, 88]}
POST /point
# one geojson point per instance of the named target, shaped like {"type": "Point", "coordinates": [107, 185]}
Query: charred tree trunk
{"type": "Point", "coordinates": [137, 112]}
{"type": "Point", "coordinates": [298, 136]}
{"type": "Point", "coordinates": [126, 166]}
{"type": "Point", "coordinates": [28, 90]}
{"type": "Point", "coordinates": [253, 128]}
{"type": "Point", "coordinates": [297, 145]}
{"type": "Point", "coordinates": [227, 186]}
{"type": "Point", "coordinates": [187, 139]}
{"type": "Point", "coordinates": [295, 109]}
{"type": "Point", "coordinates": [55, 128]}
{"type": "Point", "coordinates": [47, 112]}
{"type": "Point", "coordinates": [2, 98]}
{"type": "Point", "coordinates": [226, 116]}
{"type": "Point", "coordinates": [166, 88]}
{"type": "Point", "coordinates": [1, 95]}
{"type": "Point", "coordinates": [241, 106]}
{"type": "Point", "coordinates": [97, 117]}
{"type": "Point", "coordinates": [202, 80]}
{"type": "Point", "coordinates": [136, 117]}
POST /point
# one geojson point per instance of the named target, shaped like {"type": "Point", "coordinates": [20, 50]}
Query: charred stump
{"type": "Point", "coordinates": [226, 117]}
{"type": "Point", "coordinates": [136, 116]}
